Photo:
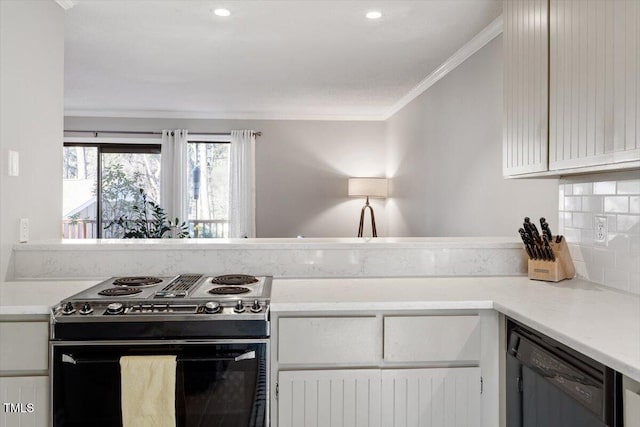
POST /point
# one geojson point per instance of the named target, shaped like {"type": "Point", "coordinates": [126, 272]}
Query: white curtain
{"type": "Point", "coordinates": [242, 186]}
{"type": "Point", "coordinates": [174, 176]}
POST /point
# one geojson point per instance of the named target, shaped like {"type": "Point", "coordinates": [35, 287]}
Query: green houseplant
{"type": "Point", "coordinates": [149, 221]}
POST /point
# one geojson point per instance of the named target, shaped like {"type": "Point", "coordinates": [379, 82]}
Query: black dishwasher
{"type": "Point", "coordinates": [551, 385]}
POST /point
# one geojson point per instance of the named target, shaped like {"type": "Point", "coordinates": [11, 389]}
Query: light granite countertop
{"type": "Point", "coordinates": [600, 322]}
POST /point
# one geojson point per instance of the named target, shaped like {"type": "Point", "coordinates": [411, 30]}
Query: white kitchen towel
{"type": "Point", "coordinates": [148, 389]}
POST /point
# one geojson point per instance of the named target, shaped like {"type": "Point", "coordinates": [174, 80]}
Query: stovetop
{"type": "Point", "coordinates": [185, 287]}
{"type": "Point", "coordinates": [186, 297]}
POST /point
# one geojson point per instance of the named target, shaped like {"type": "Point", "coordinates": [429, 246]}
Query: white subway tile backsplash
{"type": "Point", "coordinates": [631, 186]}
{"type": "Point", "coordinates": [607, 187]}
{"type": "Point", "coordinates": [602, 258]}
{"type": "Point", "coordinates": [628, 224]}
{"type": "Point", "coordinates": [577, 252]}
{"type": "Point", "coordinates": [627, 262]}
{"type": "Point", "coordinates": [618, 242]}
{"type": "Point", "coordinates": [572, 203]}
{"type": "Point", "coordinates": [582, 220]}
{"type": "Point", "coordinates": [618, 204]}
{"type": "Point", "coordinates": [582, 188]}
{"type": "Point", "coordinates": [592, 204]}
{"type": "Point", "coordinates": [572, 235]}
{"type": "Point", "coordinates": [617, 197]}
{"type": "Point", "coordinates": [586, 237]}
{"type": "Point", "coordinates": [581, 268]}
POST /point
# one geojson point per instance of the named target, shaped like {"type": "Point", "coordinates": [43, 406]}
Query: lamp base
{"type": "Point", "coordinates": [373, 219]}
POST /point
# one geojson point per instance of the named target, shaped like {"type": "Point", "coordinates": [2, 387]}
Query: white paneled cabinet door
{"type": "Point", "coordinates": [431, 397]}
{"type": "Point", "coordinates": [25, 401]}
{"type": "Point", "coordinates": [333, 398]}
{"type": "Point", "coordinates": [525, 128]}
{"type": "Point", "coordinates": [594, 82]}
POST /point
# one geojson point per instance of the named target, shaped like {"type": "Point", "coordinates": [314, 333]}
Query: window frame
{"type": "Point", "coordinates": [112, 146]}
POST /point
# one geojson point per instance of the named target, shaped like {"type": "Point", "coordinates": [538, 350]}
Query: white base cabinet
{"type": "Point", "coordinates": [24, 362]}
{"type": "Point", "coordinates": [336, 398]}
{"type": "Point", "coordinates": [385, 369]}
{"type": "Point", "coordinates": [25, 401]}
{"type": "Point", "coordinates": [430, 397]}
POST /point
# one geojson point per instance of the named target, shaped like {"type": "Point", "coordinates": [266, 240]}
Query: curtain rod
{"type": "Point", "coordinates": [136, 132]}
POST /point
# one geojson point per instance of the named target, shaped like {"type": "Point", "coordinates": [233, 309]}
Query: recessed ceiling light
{"type": "Point", "coordinates": [374, 14]}
{"type": "Point", "coordinates": [222, 12]}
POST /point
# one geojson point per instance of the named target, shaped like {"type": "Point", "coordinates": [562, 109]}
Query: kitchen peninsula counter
{"type": "Point", "coordinates": [598, 321]}
{"type": "Point", "coordinates": [286, 257]}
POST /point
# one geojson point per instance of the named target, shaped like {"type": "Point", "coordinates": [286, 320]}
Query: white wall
{"type": "Point", "coordinates": [31, 118]}
{"type": "Point", "coordinates": [301, 169]}
{"type": "Point", "coordinates": [444, 155]}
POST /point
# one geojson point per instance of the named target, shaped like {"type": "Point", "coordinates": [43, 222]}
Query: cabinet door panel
{"type": "Point", "coordinates": [21, 392]}
{"type": "Point", "coordinates": [525, 133]}
{"type": "Point", "coordinates": [328, 340]}
{"type": "Point", "coordinates": [593, 79]}
{"type": "Point", "coordinates": [25, 346]}
{"type": "Point", "coordinates": [431, 338]}
{"type": "Point", "coordinates": [332, 398]}
{"type": "Point", "coordinates": [431, 397]}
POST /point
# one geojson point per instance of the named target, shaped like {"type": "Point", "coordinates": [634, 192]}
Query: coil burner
{"type": "Point", "coordinates": [234, 280]}
{"type": "Point", "coordinates": [137, 281]}
{"type": "Point", "coordinates": [229, 290]}
{"type": "Point", "coordinates": [119, 292]}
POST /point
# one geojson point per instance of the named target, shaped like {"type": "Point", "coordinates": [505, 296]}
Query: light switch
{"type": "Point", "coordinates": [14, 163]}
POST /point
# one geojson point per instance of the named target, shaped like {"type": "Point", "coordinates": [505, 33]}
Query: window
{"type": "Point", "coordinates": [102, 182]}
{"type": "Point", "coordinates": [208, 188]}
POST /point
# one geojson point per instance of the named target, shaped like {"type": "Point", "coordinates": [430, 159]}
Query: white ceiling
{"type": "Point", "coordinates": [270, 58]}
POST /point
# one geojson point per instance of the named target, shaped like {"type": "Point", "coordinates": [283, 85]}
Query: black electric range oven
{"type": "Point", "coordinates": [217, 329]}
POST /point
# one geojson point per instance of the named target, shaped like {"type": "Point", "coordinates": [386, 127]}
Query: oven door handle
{"type": "Point", "coordinates": [68, 358]}
{"type": "Point", "coordinates": [246, 356]}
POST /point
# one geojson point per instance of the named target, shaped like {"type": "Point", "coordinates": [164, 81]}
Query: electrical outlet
{"type": "Point", "coordinates": [601, 230]}
{"type": "Point", "coordinates": [24, 230]}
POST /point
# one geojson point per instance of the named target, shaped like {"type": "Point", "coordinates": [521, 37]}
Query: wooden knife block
{"type": "Point", "coordinates": [553, 271]}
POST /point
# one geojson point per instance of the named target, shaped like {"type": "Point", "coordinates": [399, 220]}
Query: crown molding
{"type": "Point", "coordinates": [66, 4]}
{"type": "Point", "coordinates": [490, 32]}
{"type": "Point", "coordinates": [151, 114]}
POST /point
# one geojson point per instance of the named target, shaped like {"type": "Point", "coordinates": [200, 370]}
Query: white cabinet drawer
{"type": "Point", "coordinates": [431, 338]}
{"type": "Point", "coordinates": [328, 340]}
{"type": "Point", "coordinates": [24, 346]}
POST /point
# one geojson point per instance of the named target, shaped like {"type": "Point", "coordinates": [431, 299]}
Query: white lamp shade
{"type": "Point", "coordinates": [368, 187]}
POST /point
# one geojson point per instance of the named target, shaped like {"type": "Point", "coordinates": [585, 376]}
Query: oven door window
{"type": "Point", "coordinates": [222, 384]}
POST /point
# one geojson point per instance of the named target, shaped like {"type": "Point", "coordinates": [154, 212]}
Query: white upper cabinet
{"type": "Point", "coordinates": [526, 55]}
{"type": "Point", "coordinates": [594, 82]}
{"type": "Point", "coordinates": [592, 89]}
